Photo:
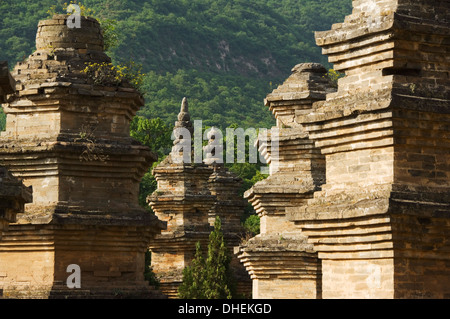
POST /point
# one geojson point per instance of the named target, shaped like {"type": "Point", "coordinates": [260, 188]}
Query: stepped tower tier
{"type": "Point", "coordinates": [13, 194]}
{"type": "Point", "coordinates": [280, 260]}
{"type": "Point", "coordinates": [189, 197]}
{"type": "Point", "coordinates": [384, 208]}
{"type": "Point", "coordinates": [67, 136]}
{"type": "Point", "coordinates": [183, 200]}
{"type": "Point", "coordinates": [379, 223]}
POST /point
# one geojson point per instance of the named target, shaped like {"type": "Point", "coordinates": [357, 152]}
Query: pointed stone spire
{"type": "Point", "coordinates": [183, 135]}
{"type": "Point", "coordinates": [183, 200]}
{"type": "Point", "coordinates": [184, 117]}
{"type": "Point", "coordinates": [214, 149]}
{"type": "Point", "coordinates": [184, 112]}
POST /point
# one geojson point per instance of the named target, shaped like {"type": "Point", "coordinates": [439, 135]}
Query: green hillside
{"type": "Point", "coordinates": [225, 56]}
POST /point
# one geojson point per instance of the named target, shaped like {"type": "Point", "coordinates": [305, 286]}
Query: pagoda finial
{"type": "Point", "coordinates": [214, 149]}
{"type": "Point", "coordinates": [182, 135]}
{"type": "Point", "coordinates": [184, 117]}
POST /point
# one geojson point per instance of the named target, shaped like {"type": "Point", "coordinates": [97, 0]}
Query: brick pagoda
{"type": "Point", "coordinates": [67, 136]}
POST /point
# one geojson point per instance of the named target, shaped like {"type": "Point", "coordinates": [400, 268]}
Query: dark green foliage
{"type": "Point", "coordinates": [110, 33]}
{"type": "Point", "coordinates": [147, 186]}
{"type": "Point", "coordinates": [252, 225]}
{"type": "Point", "coordinates": [2, 120]}
{"type": "Point", "coordinates": [210, 278]}
{"type": "Point", "coordinates": [218, 100]}
{"type": "Point", "coordinates": [193, 286]}
{"type": "Point", "coordinates": [155, 134]}
{"type": "Point", "coordinates": [18, 26]}
{"type": "Point", "coordinates": [149, 275]}
{"type": "Point", "coordinates": [248, 37]}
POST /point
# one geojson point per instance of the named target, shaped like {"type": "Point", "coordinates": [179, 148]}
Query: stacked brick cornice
{"type": "Point", "coordinates": [385, 137]}
{"type": "Point", "coordinates": [380, 221]}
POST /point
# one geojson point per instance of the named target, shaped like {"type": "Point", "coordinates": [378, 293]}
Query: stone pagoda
{"type": "Point", "coordinates": [280, 256]}
{"type": "Point", "coordinates": [229, 206]}
{"type": "Point", "coordinates": [67, 136]}
{"type": "Point", "coordinates": [380, 222]}
{"type": "Point", "coordinates": [189, 197]}
{"type": "Point", "coordinates": [13, 194]}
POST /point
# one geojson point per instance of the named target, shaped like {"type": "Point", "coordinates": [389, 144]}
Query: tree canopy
{"type": "Point", "coordinates": [210, 277]}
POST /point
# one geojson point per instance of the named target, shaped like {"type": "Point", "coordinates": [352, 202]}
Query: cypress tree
{"type": "Point", "coordinates": [193, 286]}
{"type": "Point", "coordinates": [210, 278]}
{"type": "Point", "coordinates": [218, 279]}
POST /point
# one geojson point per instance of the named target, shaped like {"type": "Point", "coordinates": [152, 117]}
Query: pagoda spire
{"type": "Point", "coordinates": [184, 117]}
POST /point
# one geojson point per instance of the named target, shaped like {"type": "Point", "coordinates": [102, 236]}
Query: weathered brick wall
{"type": "Point", "coordinates": [358, 279]}
{"type": "Point", "coordinates": [33, 266]}
{"type": "Point", "coordinates": [282, 267]}
{"type": "Point", "coordinates": [283, 289]}
{"type": "Point", "coordinates": [421, 278]}
{"type": "Point", "coordinates": [13, 194]}
{"type": "Point", "coordinates": [422, 156]}
{"type": "Point", "coordinates": [362, 167]}
{"type": "Point", "coordinates": [36, 271]}
{"type": "Point", "coordinates": [279, 260]}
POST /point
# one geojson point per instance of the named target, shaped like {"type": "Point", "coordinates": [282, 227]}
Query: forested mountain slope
{"type": "Point", "coordinates": [224, 55]}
